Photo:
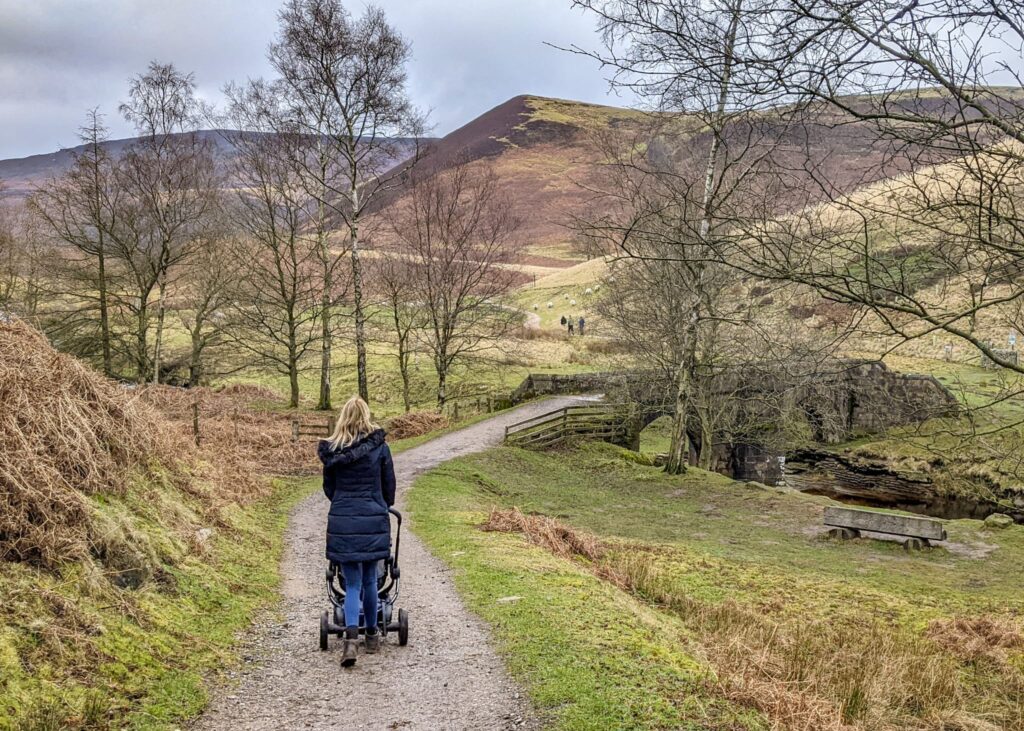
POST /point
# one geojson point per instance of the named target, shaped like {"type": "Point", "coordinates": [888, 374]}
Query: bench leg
{"type": "Point", "coordinates": [844, 534]}
{"type": "Point", "coordinates": [916, 544]}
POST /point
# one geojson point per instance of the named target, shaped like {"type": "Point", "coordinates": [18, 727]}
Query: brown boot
{"type": "Point", "coordinates": [372, 642]}
{"type": "Point", "coordinates": [348, 647]}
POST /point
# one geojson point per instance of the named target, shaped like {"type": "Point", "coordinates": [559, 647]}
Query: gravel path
{"type": "Point", "coordinates": [447, 678]}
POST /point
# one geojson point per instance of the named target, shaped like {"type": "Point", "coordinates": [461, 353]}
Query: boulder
{"type": "Point", "coordinates": [999, 521]}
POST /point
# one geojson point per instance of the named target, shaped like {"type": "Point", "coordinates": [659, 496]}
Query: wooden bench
{"type": "Point", "coordinates": [847, 523]}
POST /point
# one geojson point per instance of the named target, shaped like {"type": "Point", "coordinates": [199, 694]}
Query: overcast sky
{"type": "Point", "coordinates": [59, 58]}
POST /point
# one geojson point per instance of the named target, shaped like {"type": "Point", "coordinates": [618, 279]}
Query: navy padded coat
{"type": "Point", "coordinates": [359, 480]}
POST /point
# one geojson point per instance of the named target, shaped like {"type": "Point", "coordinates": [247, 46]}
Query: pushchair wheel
{"type": "Point", "coordinates": [403, 627]}
{"type": "Point", "coordinates": [325, 620]}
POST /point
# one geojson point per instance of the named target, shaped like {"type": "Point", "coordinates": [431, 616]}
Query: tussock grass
{"type": "Point", "coordinates": [129, 556]}
{"type": "Point", "coordinates": [812, 675]}
{"type": "Point", "coordinates": [976, 639]}
{"type": "Point", "coordinates": [65, 434]}
{"type": "Point", "coordinates": [416, 424]}
{"type": "Point", "coordinates": [546, 532]}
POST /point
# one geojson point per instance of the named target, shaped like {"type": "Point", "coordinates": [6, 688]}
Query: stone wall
{"type": "Point", "coordinates": [878, 399]}
{"type": "Point", "coordinates": [1006, 354]}
{"type": "Point", "coordinates": [545, 384]}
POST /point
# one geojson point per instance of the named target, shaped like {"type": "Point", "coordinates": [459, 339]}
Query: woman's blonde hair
{"type": "Point", "coordinates": [353, 422]}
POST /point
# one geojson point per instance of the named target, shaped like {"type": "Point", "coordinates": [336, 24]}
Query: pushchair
{"type": "Point", "coordinates": [332, 621]}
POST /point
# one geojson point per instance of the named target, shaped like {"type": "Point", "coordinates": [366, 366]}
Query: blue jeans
{"type": "Point", "coordinates": [360, 592]}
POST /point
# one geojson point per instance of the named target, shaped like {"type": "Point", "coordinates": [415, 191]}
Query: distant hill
{"type": "Point", "coordinates": [20, 175]}
{"type": "Point", "coordinates": [544, 154]}
{"type": "Point", "coordinates": [542, 151]}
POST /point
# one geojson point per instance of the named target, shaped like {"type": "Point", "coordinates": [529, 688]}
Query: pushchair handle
{"type": "Point", "coordinates": [398, 537]}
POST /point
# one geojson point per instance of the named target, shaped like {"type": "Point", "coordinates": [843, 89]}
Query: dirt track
{"type": "Point", "coordinates": [447, 678]}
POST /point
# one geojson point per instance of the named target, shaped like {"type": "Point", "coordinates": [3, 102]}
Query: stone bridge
{"type": "Point", "coordinates": [842, 400]}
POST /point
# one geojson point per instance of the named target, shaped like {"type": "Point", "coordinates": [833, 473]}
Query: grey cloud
{"type": "Point", "coordinates": [59, 58]}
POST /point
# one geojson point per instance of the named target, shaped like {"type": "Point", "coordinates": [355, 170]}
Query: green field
{"type": "Point", "coordinates": [737, 613]}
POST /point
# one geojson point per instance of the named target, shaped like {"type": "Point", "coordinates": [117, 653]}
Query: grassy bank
{"type": "Point", "coordinates": [77, 652]}
{"type": "Point", "coordinates": [591, 656]}
{"type": "Point", "coordinates": [733, 611]}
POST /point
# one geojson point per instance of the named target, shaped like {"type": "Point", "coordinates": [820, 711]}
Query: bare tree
{"type": "Point", "coordinates": [209, 281]}
{"type": "Point", "coordinates": [30, 262]}
{"type": "Point", "coordinates": [345, 84]}
{"type": "Point", "coordinates": [170, 174]}
{"type": "Point", "coordinates": [460, 231]}
{"type": "Point", "coordinates": [276, 312]}
{"type": "Point", "coordinates": [700, 62]}
{"type": "Point", "coordinates": [940, 249]}
{"type": "Point", "coordinates": [394, 275]}
{"type": "Point", "coordinates": [79, 209]}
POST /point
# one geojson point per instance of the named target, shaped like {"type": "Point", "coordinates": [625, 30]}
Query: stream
{"type": "Point", "coordinates": [872, 484]}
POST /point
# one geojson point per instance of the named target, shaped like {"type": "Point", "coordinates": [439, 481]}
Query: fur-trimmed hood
{"type": "Point", "coordinates": [355, 451]}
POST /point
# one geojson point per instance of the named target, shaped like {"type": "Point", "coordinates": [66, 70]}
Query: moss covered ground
{"type": "Point", "coordinates": [77, 652]}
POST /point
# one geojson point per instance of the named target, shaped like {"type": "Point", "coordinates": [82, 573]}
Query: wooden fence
{"type": "Point", "coordinates": [607, 422]}
{"type": "Point", "coordinates": [315, 430]}
{"type": "Point", "coordinates": [455, 409]}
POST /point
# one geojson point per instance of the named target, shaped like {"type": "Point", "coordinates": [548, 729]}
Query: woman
{"type": "Point", "coordinates": [359, 480]}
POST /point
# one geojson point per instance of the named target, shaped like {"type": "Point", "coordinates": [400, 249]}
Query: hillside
{"type": "Point", "coordinates": [129, 556]}
{"type": "Point", "coordinates": [20, 175]}
{"type": "Point", "coordinates": [547, 154]}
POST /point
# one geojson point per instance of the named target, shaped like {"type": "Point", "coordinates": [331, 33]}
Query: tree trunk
{"type": "Point", "coordinates": [142, 341]}
{"type": "Point", "coordinates": [706, 458]}
{"type": "Point", "coordinates": [293, 383]}
{"type": "Point", "coordinates": [293, 363]}
{"type": "Point", "coordinates": [403, 356]}
{"type": "Point", "coordinates": [442, 385]}
{"type": "Point", "coordinates": [406, 396]}
{"type": "Point", "coordinates": [195, 363]}
{"type": "Point", "coordinates": [679, 448]}
{"type": "Point", "coordinates": [161, 311]}
{"type": "Point", "coordinates": [357, 296]}
{"type": "Point", "coordinates": [324, 402]}
{"type": "Point", "coordinates": [108, 368]}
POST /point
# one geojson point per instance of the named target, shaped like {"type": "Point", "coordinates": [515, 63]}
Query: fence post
{"type": "Point", "coordinates": [455, 411]}
{"type": "Point", "coordinates": [295, 430]}
{"type": "Point", "coordinates": [195, 421]}
{"type": "Point", "coordinates": [489, 409]}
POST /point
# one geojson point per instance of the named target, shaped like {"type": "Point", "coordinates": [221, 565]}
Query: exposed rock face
{"type": "Point", "coordinates": [868, 481]}
{"type": "Point", "coordinates": [810, 470]}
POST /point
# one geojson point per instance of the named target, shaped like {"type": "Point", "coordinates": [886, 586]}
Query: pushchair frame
{"type": "Point", "coordinates": [332, 621]}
